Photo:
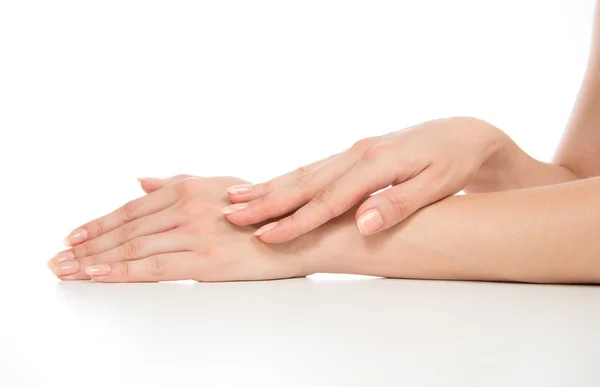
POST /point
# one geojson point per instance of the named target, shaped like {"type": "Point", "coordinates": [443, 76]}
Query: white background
{"type": "Point", "coordinates": [96, 93]}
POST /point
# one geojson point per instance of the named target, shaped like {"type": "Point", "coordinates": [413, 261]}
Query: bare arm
{"type": "Point", "coordinates": [578, 155]}
{"type": "Point", "coordinates": [579, 149]}
{"type": "Point", "coordinates": [543, 234]}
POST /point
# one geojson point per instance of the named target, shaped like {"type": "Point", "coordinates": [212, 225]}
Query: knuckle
{"type": "Point", "coordinates": [265, 187]}
{"type": "Point", "coordinates": [323, 200]}
{"type": "Point", "coordinates": [82, 250]}
{"type": "Point", "coordinates": [269, 206]}
{"type": "Point", "coordinates": [128, 211]}
{"type": "Point", "coordinates": [124, 269]}
{"type": "Point", "coordinates": [98, 224]}
{"type": "Point", "coordinates": [158, 266]}
{"type": "Point", "coordinates": [126, 232]}
{"type": "Point", "coordinates": [323, 196]}
{"type": "Point", "coordinates": [300, 227]}
{"type": "Point", "coordinates": [399, 205]}
{"type": "Point", "coordinates": [303, 181]}
{"type": "Point", "coordinates": [301, 171]}
{"type": "Point", "coordinates": [361, 146]}
{"type": "Point", "coordinates": [187, 186]}
{"type": "Point", "coordinates": [377, 152]}
{"type": "Point", "coordinates": [133, 249]}
{"type": "Point", "coordinates": [86, 249]}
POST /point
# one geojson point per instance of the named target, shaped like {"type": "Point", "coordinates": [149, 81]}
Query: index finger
{"type": "Point", "coordinates": [361, 180]}
{"type": "Point", "coordinates": [131, 210]}
{"type": "Point", "coordinates": [242, 193]}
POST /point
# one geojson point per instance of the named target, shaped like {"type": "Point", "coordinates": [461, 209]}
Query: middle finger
{"type": "Point", "coordinates": [291, 196]}
{"type": "Point", "coordinates": [151, 224]}
{"type": "Point", "coordinates": [137, 248]}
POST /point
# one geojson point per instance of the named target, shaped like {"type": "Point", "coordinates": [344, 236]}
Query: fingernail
{"type": "Point", "coordinates": [265, 228]}
{"type": "Point", "coordinates": [369, 222]}
{"type": "Point", "coordinates": [97, 270]}
{"type": "Point", "coordinates": [240, 189]}
{"type": "Point", "coordinates": [76, 236]}
{"type": "Point", "coordinates": [141, 179]}
{"type": "Point", "coordinates": [234, 207]}
{"type": "Point", "coordinates": [62, 257]}
{"type": "Point", "coordinates": [67, 268]}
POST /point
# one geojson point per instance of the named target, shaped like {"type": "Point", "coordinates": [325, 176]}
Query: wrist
{"type": "Point", "coordinates": [500, 155]}
{"type": "Point", "coordinates": [508, 167]}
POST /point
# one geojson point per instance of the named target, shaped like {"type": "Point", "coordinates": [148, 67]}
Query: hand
{"type": "Point", "coordinates": [175, 232]}
{"type": "Point", "coordinates": [424, 164]}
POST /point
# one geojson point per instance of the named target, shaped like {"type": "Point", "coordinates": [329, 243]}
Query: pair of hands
{"type": "Point", "coordinates": [187, 228]}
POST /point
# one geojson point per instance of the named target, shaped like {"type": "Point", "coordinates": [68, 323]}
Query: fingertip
{"type": "Point", "coordinates": [245, 197]}
{"type": "Point", "coordinates": [265, 229]}
{"type": "Point", "coordinates": [270, 239]}
{"type": "Point", "coordinates": [240, 189]}
{"type": "Point", "coordinates": [370, 222]}
{"type": "Point", "coordinates": [150, 184]}
{"type": "Point", "coordinates": [238, 220]}
{"type": "Point", "coordinates": [96, 271]}
{"type": "Point", "coordinates": [239, 198]}
{"type": "Point", "coordinates": [244, 214]}
{"type": "Point", "coordinates": [77, 236]}
{"type": "Point", "coordinates": [274, 233]}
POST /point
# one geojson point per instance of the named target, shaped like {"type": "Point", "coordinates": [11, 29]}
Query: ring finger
{"type": "Point", "coordinates": [137, 248]}
{"type": "Point", "coordinates": [151, 224]}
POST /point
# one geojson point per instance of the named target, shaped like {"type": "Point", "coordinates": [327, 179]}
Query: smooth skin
{"type": "Point", "coordinates": [424, 164]}
{"type": "Point", "coordinates": [176, 232]}
{"type": "Point", "coordinates": [553, 233]}
{"type": "Point", "coordinates": [548, 211]}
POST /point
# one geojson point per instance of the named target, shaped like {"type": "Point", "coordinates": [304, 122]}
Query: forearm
{"type": "Point", "coordinates": [580, 145]}
{"type": "Point", "coordinates": [546, 234]}
{"type": "Point", "coordinates": [509, 167]}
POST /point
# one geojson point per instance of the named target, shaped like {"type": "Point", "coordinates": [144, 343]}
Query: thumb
{"type": "Point", "coordinates": [387, 208]}
{"type": "Point", "coordinates": [151, 184]}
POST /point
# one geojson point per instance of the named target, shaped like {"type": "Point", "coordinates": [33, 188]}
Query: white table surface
{"type": "Point", "coordinates": [318, 331]}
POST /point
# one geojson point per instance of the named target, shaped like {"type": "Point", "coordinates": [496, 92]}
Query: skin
{"type": "Point", "coordinates": [548, 211]}
{"type": "Point", "coordinates": [176, 232]}
{"type": "Point", "coordinates": [558, 240]}
{"type": "Point", "coordinates": [423, 163]}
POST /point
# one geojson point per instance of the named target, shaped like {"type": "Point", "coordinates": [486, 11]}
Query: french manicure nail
{"type": "Point", "coordinates": [141, 179]}
{"type": "Point", "coordinates": [369, 222]}
{"type": "Point", "coordinates": [98, 270]}
{"type": "Point", "coordinates": [67, 268]}
{"type": "Point", "coordinates": [62, 257]}
{"type": "Point", "coordinates": [234, 208]}
{"type": "Point", "coordinates": [240, 189]}
{"type": "Point", "coordinates": [76, 236]}
{"type": "Point", "coordinates": [265, 228]}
